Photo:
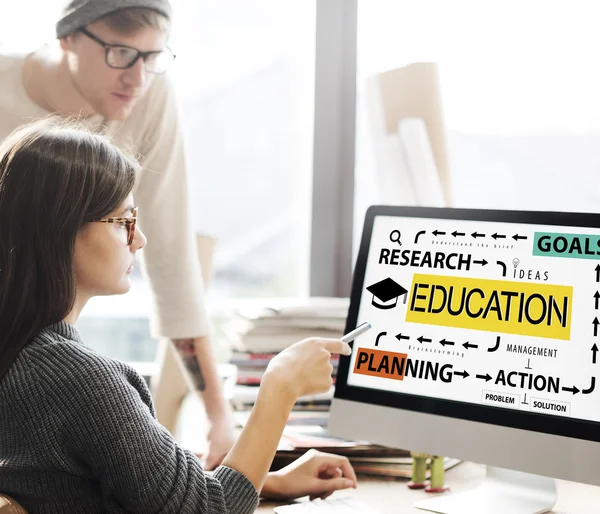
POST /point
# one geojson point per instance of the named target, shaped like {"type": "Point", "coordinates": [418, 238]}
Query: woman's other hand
{"type": "Point", "coordinates": [315, 474]}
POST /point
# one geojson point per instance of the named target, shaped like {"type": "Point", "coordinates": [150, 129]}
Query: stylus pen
{"type": "Point", "coordinates": [351, 336]}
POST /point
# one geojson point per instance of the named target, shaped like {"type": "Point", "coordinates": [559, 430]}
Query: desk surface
{"type": "Point", "coordinates": [393, 497]}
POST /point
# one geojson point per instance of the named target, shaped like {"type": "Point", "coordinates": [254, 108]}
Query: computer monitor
{"type": "Point", "coordinates": [484, 347]}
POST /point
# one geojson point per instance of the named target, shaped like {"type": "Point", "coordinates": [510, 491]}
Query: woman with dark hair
{"type": "Point", "coordinates": [78, 431]}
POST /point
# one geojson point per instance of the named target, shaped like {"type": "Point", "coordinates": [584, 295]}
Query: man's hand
{"type": "Point", "coordinates": [201, 370]}
{"type": "Point", "coordinates": [221, 438]}
{"type": "Point", "coordinates": [315, 474]}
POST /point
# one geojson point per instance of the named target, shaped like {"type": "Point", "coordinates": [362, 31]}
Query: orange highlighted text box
{"type": "Point", "coordinates": [378, 363]}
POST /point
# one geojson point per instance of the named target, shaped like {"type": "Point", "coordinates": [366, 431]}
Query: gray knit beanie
{"type": "Point", "coordinates": [78, 13]}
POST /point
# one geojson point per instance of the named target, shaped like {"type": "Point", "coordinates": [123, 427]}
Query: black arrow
{"type": "Point", "coordinates": [463, 374]}
{"type": "Point", "coordinates": [573, 389]}
{"type": "Point", "coordinates": [524, 402]}
{"type": "Point", "coordinates": [596, 297]}
{"type": "Point", "coordinates": [476, 235]}
{"type": "Point", "coordinates": [445, 342]}
{"type": "Point", "coordinates": [500, 263]}
{"type": "Point", "coordinates": [438, 233]}
{"type": "Point", "coordinates": [498, 236]}
{"type": "Point", "coordinates": [485, 377]}
{"type": "Point", "coordinates": [483, 262]}
{"type": "Point", "coordinates": [400, 337]}
{"type": "Point", "coordinates": [591, 388]}
{"type": "Point", "coordinates": [594, 352]}
{"type": "Point", "coordinates": [597, 268]}
{"type": "Point", "coordinates": [496, 346]}
{"type": "Point", "coordinates": [456, 233]}
{"type": "Point", "coordinates": [516, 237]}
{"type": "Point", "coordinates": [421, 339]}
{"type": "Point", "coordinates": [528, 364]}
{"type": "Point", "coordinates": [468, 345]}
{"type": "Point", "coordinates": [419, 234]}
{"type": "Point", "coordinates": [595, 323]}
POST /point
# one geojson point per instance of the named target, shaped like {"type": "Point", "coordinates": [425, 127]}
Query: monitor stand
{"type": "Point", "coordinates": [502, 491]}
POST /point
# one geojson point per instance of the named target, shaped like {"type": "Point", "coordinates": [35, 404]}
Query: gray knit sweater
{"type": "Point", "coordinates": [78, 434]}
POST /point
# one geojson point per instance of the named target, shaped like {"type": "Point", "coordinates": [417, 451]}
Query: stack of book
{"type": "Point", "coordinates": [263, 329]}
{"type": "Point", "coordinates": [244, 398]}
{"type": "Point", "coordinates": [258, 333]}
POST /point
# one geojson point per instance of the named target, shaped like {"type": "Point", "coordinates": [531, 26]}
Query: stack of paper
{"type": "Point", "coordinates": [259, 331]}
{"type": "Point", "coordinates": [244, 397]}
{"type": "Point", "coordinates": [270, 328]}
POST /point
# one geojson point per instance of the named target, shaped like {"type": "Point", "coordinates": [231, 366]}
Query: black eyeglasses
{"type": "Point", "coordinates": [123, 57]}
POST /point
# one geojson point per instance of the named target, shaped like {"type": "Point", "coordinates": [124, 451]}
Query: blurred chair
{"type": "Point", "coordinates": [169, 384]}
{"type": "Point", "coordinates": [409, 139]}
{"type": "Point", "coordinates": [10, 506]}
{"type": "Point", "coordinates": [418, 157]}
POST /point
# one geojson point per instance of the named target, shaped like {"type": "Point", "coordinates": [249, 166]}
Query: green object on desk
{"type": "Point", "coordinates": [419, 469]}
{"type": "Point", "coordinates": [436, 483]}
{"type": "Point", "coordinates": [437, 472]}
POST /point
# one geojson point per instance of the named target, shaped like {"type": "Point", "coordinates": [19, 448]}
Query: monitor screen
{"type": "Point", "coordinates": [489, 316]}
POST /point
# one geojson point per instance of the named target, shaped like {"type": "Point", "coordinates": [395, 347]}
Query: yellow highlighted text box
{"type": "Point", "coordinates": [531, 309]}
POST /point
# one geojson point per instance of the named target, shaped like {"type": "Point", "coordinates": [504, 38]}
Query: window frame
{"type": "Point", "coordinates": [332, 222]}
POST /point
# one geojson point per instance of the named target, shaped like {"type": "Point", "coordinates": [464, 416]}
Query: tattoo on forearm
{"type": "Point", "coordinates": [187, 351]}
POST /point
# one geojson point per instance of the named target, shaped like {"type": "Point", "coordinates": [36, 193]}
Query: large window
{"type": "Point", "coordinates": [520, 92]}
{"type": "Point", "coordinates": [245, 78]}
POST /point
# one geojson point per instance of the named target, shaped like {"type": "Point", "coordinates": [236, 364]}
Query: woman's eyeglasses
{"type": "Point", "coordinates": [124, 57]}
{"type": "Point", "coordinates": [129, 222]}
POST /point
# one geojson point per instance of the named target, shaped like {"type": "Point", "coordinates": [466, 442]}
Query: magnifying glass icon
{"type": "Point", "coordinates": [395, 237]}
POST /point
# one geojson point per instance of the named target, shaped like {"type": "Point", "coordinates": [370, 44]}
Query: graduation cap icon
{"type": "Point", "coordinates": [386, 293]}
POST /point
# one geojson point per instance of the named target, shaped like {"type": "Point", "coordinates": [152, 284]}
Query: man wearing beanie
{"type": "Point", "coordinates": [108, 66]}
